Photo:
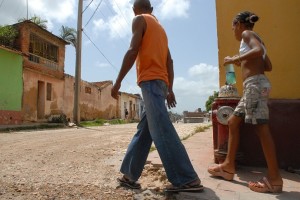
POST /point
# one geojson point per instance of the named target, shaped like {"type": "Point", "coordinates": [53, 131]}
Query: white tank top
{"type": "Point", "coordinates": [244, 48]}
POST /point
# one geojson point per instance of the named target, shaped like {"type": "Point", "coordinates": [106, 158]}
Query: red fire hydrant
{"type": "Point", "coordinates": [222, 108]}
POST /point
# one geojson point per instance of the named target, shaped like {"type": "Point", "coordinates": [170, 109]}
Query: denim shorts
{"type": "Point", "coordinates": [254, 103]}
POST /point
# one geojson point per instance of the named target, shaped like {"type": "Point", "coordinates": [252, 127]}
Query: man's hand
{"type": "Point", "coordinates": [171, 101]}
{"type": "Point", "coordinates": [115, 90]}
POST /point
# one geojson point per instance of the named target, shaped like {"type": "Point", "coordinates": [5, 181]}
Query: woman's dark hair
{"type": "Point", "coordinates": [247, 18]}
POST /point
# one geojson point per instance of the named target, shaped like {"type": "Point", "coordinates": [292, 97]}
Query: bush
{"type": "Point", "coordinates": [8, 34]}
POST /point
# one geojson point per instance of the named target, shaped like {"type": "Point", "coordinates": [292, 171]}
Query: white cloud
{"type": "Point", "coordinates": [102, 65]}
{"type": "Point", "coordinates": [203, 80]}
{"type": "Point", "coordinates": [170, 9]}
{"type": "Point", "coordinates": [118, 24]}
{"type": "Point", "coordinates": [99, 25]}
{"type": "Point", "coordinates": [51, 10]}
{"type": "Point", "coordinates": [193, 91]}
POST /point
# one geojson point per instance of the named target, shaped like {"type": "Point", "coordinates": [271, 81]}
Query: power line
{"type": "Point", "coordinates": [103, 54]}
{"type": "Point", "coordinates": [164, 3]}
{"type": "Point", "coordinates": [121, 13]}
{"type": "Point", "coordinates": [116, 30]}
{"type": "Point", "coordinates": [1, 3]}
{"type": "Point", "coordinates": [88, 5]}
{"type": "Point", "coordinates": [99, 50]}
{"type": "Point", "coordinates": [121, 25]}
{"type": "Point", "coordinates": [93, 14]}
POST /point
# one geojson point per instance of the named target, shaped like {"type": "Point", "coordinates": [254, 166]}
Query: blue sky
{"type": "Point", "coordinates": [190, 25]}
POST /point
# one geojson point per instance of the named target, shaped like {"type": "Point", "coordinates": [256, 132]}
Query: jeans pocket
{"type": "Point", "coordinates": [159, 88]}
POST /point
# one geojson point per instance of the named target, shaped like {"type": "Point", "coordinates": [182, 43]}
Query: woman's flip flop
{"type": "Point", "coordinates": [264, 186]}
{"type": "Point", "coordinates": [220, 173]}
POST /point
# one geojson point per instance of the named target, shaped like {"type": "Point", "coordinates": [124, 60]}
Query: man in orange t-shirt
{"type": "Point", "coordinates": [154, 66]}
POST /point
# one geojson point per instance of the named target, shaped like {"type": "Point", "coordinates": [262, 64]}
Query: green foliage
{"type": "Point", "coordinates": [101, 122]}
{"type": "Point", "coordinates": [69, 35]}
{"type": "Point", "coordinates": [211, 100]}
{"type": "Point", "coordinates": [201, 128]}
{"type": "Point", "coordinates": [8, 34]}
{"type": "Point", "coordinates": [152, 148]}
{"type": "Point", "coordinates": [37, 20]}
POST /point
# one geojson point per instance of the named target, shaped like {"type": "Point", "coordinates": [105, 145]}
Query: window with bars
{"type": "Point", "coordinates": [42, 48]}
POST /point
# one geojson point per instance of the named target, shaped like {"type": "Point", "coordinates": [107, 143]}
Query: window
{"type": "Point", "coordinates": [49, 91]}
{"type": "Point", "coordinates": [33, 58]}
{"type": "Point", "coordinates": [88, 90]}
{"type": "Point", "coordinates": [42, 48]}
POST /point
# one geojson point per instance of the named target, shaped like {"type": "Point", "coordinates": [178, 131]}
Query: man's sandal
{"type": "Point", "coordinates": [125, 182]}
{"type": "Point", "coordinates": [220, 173]}
{"type": "Point", "coordinates": [264, 186]}
{"type": "Point", "coordinates": [190, 187]}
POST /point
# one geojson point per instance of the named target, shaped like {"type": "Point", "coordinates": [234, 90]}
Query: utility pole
{"type": "Point", "coordinates": [27, 9]}
{"type": "Point", "coordinates": [78, 65]}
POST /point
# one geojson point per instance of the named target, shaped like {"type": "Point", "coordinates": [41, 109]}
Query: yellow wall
{"type": "Point", "coordinates": [279, 27]}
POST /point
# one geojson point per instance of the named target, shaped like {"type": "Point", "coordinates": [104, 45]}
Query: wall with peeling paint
{"type": "Point", "coordinates": [39, 100]}
{"type": "Point", "coordinates": [95, 102]}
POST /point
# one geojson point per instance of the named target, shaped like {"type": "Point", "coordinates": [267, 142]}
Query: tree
{"type": "Point", "coordinates": [8, 35]}
{"type": "Point", "coordinates": [211, 100]}
{"type": "Point", "coordinates": [37, 20]}
{"type": "Point", "coordinates": [69, 35]}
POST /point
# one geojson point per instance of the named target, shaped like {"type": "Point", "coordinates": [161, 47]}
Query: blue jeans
{"type": "Point", "coordinates": [156, 126]}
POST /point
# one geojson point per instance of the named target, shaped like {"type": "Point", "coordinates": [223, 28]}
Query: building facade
{"type": "Point", "coordinates": [34, 87]}
{"type": "Point", "coordinates": [132, 103]}
{"type": "Point", "coordinates": [43, 71]}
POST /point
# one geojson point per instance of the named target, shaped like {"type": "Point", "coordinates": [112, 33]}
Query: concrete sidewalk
{"type": "Point", "coordinates": [200, 150]}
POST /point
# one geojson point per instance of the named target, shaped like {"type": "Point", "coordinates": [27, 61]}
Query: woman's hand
{"type": "Point", "coordinates": [232, 60]}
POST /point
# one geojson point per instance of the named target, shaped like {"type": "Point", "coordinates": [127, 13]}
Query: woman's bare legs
{"type": "Point", "coordinates": [233, 142]}
{"type": "Point", "coordinates": [268, 147]}
{"type": "Point", "coordinates": [267, 144]}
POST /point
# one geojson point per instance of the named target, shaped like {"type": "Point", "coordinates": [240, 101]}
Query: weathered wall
{"type": "Point", "coordinates": [132, 105]}
{"type": "Point", "coordinates": [95, 103]}
{"type": "Point", "coordinates": [11, 87]}
{"type": "Point", "coordinates": [23, 42]}
{"type": "Point", "coordinates": [31, 95]}
{"type": "Point", "coordinates": [37, 74]}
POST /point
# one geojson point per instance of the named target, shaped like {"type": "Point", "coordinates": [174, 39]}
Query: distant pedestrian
{"type": "Point", "coordinates": [149, 48]}
{"type": "Point", "coordinates": [252, 107]}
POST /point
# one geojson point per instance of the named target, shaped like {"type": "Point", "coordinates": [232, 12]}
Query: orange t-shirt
{"type": "Point", "coordinates": [151, 62]}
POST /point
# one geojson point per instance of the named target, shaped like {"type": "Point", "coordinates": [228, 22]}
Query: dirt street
{"type": "Point", "coordinates": [74, 163]}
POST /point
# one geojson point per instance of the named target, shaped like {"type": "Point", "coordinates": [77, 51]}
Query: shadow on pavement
{"type": "Point", "coordinates": [207, 194]}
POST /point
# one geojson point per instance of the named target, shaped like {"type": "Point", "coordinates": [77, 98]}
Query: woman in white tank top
{"type": "Point", "coordinates": [252, 108]}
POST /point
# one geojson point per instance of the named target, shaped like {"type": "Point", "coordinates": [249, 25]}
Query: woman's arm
{"type": "Point", "coordinates": [256, 48]}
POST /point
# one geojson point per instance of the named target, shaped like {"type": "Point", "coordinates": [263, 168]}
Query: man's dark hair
{"type": "Point", "coordinates": [142, 4]}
